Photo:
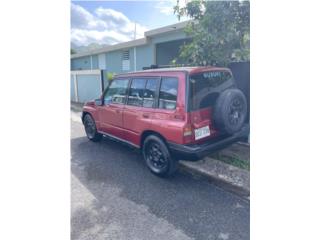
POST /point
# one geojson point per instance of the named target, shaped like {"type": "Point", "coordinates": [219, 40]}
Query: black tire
{"type": "Point", "coordinates": [230, 111]}
{"type": "Point", "coordinates": [91, 129]}
{"type": "Point", "coordinates": [158, 158]}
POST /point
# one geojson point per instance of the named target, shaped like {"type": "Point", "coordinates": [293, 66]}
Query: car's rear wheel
{"type": "Point", "coordinates": [158, 158]}
{"type": "Point", "coordinates": [91, 129]}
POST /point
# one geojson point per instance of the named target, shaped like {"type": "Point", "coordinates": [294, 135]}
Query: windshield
{"type": "Point", "coordinates": [206, 86]}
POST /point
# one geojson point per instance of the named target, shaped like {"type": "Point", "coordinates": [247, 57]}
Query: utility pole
{"type": "Point", "coordinates": [134, 49]}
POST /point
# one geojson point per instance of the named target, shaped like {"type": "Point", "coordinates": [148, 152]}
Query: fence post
{"type": "Point", "coordinates": [75, 81]}
{"type": "Point", "coordinates": [102, 80]}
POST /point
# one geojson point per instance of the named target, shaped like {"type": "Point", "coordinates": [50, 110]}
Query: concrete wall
{"type": "Point", "coordinates": [84, 63]}
{"type": "Point", "coordinates": [145, 55]}
{"type": "Point", "coordinates": [80, 63]}
{"type": "Point", "coordinates": [131, 60]}
{"type": "Point", "coordinates": [85, 85]}
{"type": "Point", "coordinates": [88, 83]}
{"type": "Point", "coordinates": [95, 63]}
{"type": "Point", "coordinates": [89, 87]}
{"type": "Point", "coordinates": [168, 37]}
{"type": "Point", "coordinates": [113, 61]}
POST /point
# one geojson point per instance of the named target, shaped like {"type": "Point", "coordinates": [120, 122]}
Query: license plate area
{"type": "Point", "coordinates": [202, 132]}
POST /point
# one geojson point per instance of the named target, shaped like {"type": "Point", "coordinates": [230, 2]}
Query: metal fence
{"type": "Point", "coordinates": [241, 73]}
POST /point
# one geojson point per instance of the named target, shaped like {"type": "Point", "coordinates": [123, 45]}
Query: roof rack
{"type": "Point", "coordinates": [155, 66]}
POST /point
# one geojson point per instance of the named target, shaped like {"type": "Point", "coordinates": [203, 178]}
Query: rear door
{"type": "Point", "coordinates": [169, 115]}
{"type": "Point", "coordinates": [111, 113]}
{"type": "Point", "coordinates": [204, 90]}
{"type": "Point", "coordinates": [137, 114]}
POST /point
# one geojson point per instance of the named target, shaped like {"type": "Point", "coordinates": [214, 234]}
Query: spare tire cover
{"type": "Point", "coordinates": [230, 111]}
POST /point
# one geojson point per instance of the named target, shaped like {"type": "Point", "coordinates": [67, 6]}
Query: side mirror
{"type": "Point", "coordinates": [98, 102]}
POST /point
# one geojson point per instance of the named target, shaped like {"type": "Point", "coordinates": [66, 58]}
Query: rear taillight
{"type": "Point", "coordinates": [188, 133]}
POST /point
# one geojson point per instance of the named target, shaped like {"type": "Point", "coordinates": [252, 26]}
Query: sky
{"type": "Point", "coordinates": [111, 22]}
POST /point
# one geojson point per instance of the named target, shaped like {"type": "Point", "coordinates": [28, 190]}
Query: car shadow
{"type": "Point", "coordinates": [192, 205]}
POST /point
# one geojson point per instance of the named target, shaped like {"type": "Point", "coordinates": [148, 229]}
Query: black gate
{"type": "Point", "coordinates": [241, 73]}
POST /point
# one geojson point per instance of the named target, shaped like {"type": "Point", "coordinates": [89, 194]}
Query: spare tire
{"type": "Point", "coordinates": [230, 111]}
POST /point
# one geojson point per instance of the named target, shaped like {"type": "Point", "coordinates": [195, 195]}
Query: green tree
{"type": "Point", "coordinates": [220, 32]}
{"type": "Point", "coordinates": [72, 51]}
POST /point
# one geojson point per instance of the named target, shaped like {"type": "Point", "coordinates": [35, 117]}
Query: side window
{"type": "Point", "coordinates": [116, 92]}
{"type": "Point", "coordinates": [168, 93]}
{"type": "Point", "coordinates": [150, 92]}
{"type": "Point", "coordinates": [142, 92]}
{"type": "Point", "coordinates": [135, 97]}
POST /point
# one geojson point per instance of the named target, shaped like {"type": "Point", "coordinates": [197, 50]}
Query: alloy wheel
{"type": "Point", "coordinates": [155, 157]}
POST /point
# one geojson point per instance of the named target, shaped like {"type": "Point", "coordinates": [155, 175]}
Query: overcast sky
{"type": "Point", "coordinates": [111, 22]}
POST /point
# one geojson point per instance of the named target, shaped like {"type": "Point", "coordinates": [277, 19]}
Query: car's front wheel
{"type": "Point", "coordinates": [158, 158]}
{"type": "Point", "coordinates": [91, 129]}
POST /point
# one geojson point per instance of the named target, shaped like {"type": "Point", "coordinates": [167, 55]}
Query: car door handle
{"type": "Point", "coordinates": [117, 111]}
{"type": "Point", "coordinates": [144, 115]}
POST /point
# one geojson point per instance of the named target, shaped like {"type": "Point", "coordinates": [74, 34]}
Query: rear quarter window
{"type": "Point", "coordinates": [168, 93]}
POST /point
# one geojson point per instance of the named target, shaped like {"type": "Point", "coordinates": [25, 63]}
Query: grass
{"type": "Point", "coordinates": [232, 160]}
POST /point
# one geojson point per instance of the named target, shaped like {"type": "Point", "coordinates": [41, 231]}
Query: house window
{"type": "Point", "coordinates": [126, 60]}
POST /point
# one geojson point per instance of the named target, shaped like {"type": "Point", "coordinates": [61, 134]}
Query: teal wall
{"type": "Point", "coordinates": [80, 63]}
{"type": "Point", "coordinates": [131, 60]}
{"type": "Point", "coordinates": [145, 55]}
{"type": "Point", "coordinates": [84, 63]}
{"type": "Point", "coordinates": [95, 63]}
{"type": "Point", "coordinates": [113, 61]}
{"type": "Point", "coordinates": [168, 37]}
{"type": "Point", "coordinates": [89, 87]}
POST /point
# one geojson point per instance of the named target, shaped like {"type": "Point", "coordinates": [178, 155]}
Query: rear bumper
{"type": "Point", "coordinates": [196, 152]}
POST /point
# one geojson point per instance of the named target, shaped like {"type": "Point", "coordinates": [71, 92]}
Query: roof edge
{"type": "Point", "coordinates": [167, 29]}
{"type": "Point", "coordinates": [132, 43]}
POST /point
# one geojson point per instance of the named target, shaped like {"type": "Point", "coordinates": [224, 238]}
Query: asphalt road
{"type": "Point", "coordinates": [114, 196]}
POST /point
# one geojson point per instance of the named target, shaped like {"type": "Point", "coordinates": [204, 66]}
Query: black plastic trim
{"type": "Point", "coordinates": [196, 152]}
{"type": "Point", "coordinates": [118, 139]}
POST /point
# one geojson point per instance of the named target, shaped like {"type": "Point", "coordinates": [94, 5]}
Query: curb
{"type": "Point", "coordinates": [229, 177]}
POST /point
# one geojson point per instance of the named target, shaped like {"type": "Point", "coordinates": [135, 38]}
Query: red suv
{"type": "Point", "coordinates": [170, 114]}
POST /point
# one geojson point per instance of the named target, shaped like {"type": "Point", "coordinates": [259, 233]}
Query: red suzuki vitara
{"type": "Point", "coordinates": [170, 114]}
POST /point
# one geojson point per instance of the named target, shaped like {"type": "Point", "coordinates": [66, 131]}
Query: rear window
{"type": "Point", "coordinates": [205, 88]}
